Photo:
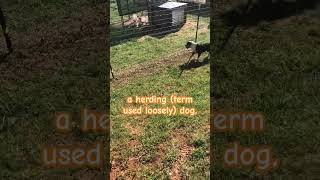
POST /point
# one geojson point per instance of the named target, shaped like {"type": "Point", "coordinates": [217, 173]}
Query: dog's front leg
{"type": "Point", "coordinates": [112, 75]}
{"type": "Point", "coordinates": [191, 57]}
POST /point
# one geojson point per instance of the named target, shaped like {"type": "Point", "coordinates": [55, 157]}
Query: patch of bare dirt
{"type": "Point", "coordinates": [133, 163]}
{"type": "Point", "coordinates": [134, 130]}
{"type": "Point", "coordinates": [116, 171]}
{"type": "Point", "coordinates": [147, 69]}
{"type": "Point", "coordinates": [193, 24]}
{"type": "Point", "coordinates": [132, 166]}
{"type": "Point", "coordinates": [142, 39]}
{"type": "Point", "coordinates": [158, 162]}
{"type": "Point", "coordinates": [185, 150]}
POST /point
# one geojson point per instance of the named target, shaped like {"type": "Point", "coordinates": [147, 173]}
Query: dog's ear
{"type": "Point", "coordinates": [188, 44]}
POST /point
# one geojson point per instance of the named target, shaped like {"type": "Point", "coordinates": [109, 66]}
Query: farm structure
{"type": "Point", "coordinates": [156, 18]}
{"type": "Point", "coordinates": [129, 7]}
{"type": "Point", "coordinates": [169, 14]}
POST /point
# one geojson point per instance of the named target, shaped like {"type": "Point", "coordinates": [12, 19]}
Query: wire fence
{"type": "Point", "coordinates": [135, 27]}
{"type": "Point", "coordinates": [190, 8]}
{"type": "Point", "coordinates": [206, 12]}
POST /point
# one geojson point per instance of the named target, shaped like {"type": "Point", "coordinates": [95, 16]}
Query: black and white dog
{"type": "Point", "coordinates": [197, 48]}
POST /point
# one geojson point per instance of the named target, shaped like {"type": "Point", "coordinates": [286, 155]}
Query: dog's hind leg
{"type": "Point", "coordinates": [199, 54]}
{"type": "Point", "coordinates": [112, 74]}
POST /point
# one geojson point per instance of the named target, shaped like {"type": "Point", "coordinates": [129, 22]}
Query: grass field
{"type": "Point", "coordinates": [273, 68]}
{"type": "Point", "coordinates": [59, 65]}
{"type": "Point", "coordinates": [151, 146]}
{"type": "Point", "coordinates": [56, 66]}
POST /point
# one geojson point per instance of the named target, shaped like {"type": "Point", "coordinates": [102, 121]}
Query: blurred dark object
{"type": "Point", "coordinates": [251, 12]}
{"type": "Point", "coordinates": [5, 31]}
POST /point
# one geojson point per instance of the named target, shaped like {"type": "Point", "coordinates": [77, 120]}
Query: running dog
{"type": "Point", "coordinates": [197, 48]}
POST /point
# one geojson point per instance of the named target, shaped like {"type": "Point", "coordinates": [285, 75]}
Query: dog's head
{"type": "Point", "coordinates": [191, 45]}
{"type": "Point", "coordinates": [188, 45]}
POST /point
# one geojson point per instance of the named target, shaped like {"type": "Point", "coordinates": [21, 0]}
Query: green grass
{"type": "Point", "coordinates": [159, 129]}
{"type": "Point", "coordinates": [23, 14]}
{"type": "Point", "coordinates": [253, 74]}
{"type": "Point", "coordinates": [134, 52]}
{"type": "Point", "coordinates": [159, 148]}
{"type": "Point", "coordinates": [270, 69]}
{"type": "Point", "coordinates": [27, 107]}
{"type": "Point", "coordinates": [32, 106]}
{"type": "Point", "coordinates": [114, 14]}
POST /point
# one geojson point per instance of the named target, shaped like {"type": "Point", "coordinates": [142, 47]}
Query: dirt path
{"type": "Point", "coordinates": [151, 68]}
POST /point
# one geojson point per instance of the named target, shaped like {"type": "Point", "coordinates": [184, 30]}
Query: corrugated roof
{"type": "Point", "coordinates": [172, 5]}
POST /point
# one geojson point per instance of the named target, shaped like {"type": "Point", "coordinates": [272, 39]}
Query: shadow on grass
{"type": "Point", "coordinates": [193, 64]}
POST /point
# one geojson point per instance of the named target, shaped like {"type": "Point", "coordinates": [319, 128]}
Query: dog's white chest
{"type": "Point", "coordinates": [193, 47]}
